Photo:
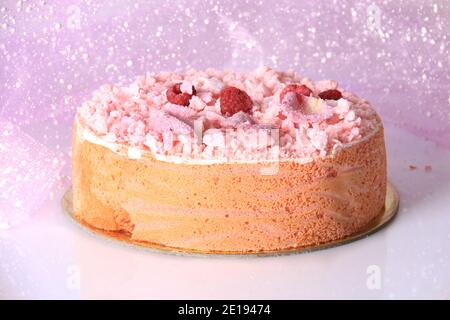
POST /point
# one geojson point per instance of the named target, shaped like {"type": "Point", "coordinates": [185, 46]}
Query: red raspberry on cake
{"type": "Point", "coordinates": [175, 96]}
{"type": "Point", "coordinates": [300, 89]}
{"type": "Point", "coordinates": [332, 94]}
{"type": "Point", "coordinates": [233, 100]}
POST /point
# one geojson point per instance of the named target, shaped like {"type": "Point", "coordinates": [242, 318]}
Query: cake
{"type": "Point", "coordinates": [225, 162]}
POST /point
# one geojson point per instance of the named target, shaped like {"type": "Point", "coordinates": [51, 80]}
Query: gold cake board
{"type": "Point", "coordinates": [389, 212]}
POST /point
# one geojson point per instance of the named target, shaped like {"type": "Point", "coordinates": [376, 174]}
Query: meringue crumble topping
{"type": "Point", "coordinates": [214, 114]}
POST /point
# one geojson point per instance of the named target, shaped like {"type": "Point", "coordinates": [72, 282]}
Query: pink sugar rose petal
{"type": "Point", "coordinates": [160, 122]}
{"type": "Point", "coordinates": [212, 116]}
{"type": "Point", "coordinates": [181, 112]}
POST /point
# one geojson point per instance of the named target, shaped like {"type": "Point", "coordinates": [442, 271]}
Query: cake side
{"type": "Point", "coordinates": [230, 207]}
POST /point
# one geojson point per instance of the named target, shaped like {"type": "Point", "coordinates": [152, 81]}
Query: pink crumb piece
{"type": "Point", "coordinates": [428, 168]}
{"type": "Point", "coordinates": [186, 87]}
{"type": "Point", "coordinates": [319, 139]}
{"type": "Point", "coordinates": [198, 103]}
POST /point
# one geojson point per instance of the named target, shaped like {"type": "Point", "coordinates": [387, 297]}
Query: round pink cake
{"type": "Point", "coordinates": [212, 161]}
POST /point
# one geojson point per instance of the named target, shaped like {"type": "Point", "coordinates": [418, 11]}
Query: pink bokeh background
{"type": "Point", "coordinates": [53, 54]}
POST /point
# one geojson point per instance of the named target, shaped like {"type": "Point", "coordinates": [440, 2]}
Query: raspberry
{"type": "Point", "coordinates": [332, 94]}
{"type": "Point", "coordinates": [233, 100]}
{"type": "Point", "coordinates": [175, 96]}
{"type": "Point", "coordinates": [299, 89]}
